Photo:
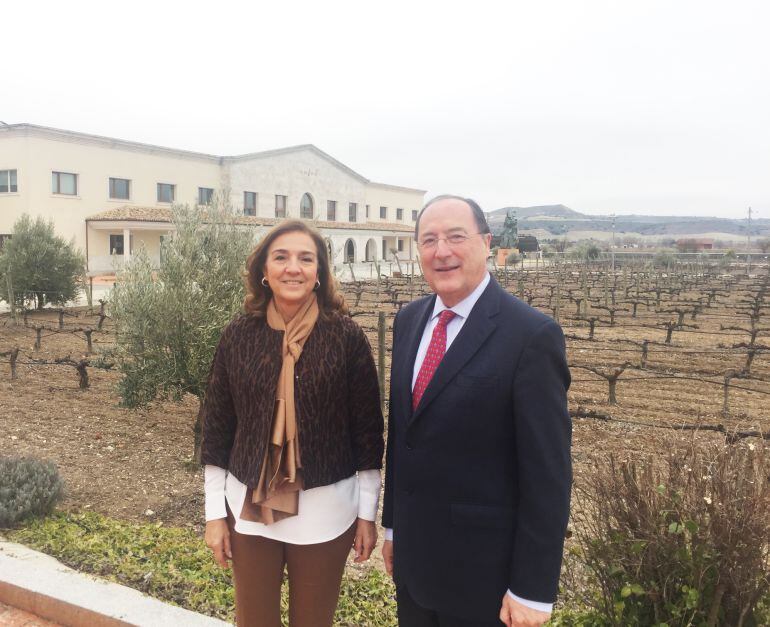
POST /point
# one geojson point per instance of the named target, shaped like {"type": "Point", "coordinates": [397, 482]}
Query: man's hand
{"type": "Point", "coordinates": [218, 540]}
{"type": "Point", "coordinates": [387, 556]}
{"type": "Point", "coordinates": [514, 614]}
{"type": "Point", "coordinates": [366, 538]}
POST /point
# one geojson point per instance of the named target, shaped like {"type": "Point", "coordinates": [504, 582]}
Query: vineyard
{"type": "Point", "coordinates": [658, 357]}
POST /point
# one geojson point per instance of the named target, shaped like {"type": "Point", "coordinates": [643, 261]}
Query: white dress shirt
{"type": "Point", "coordinates": [462, 310]}
{"type": "Point", "coordinates": [324, 513]}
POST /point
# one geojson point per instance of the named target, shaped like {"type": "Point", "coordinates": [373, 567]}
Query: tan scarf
{"type": "Point", "coordinates": [277, 493]}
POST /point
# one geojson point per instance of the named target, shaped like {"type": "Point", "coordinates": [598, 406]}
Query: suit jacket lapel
{"type": "Point", "coordinates": [412, 339]}
{"type": "Point", "coordinates": [474, 333]}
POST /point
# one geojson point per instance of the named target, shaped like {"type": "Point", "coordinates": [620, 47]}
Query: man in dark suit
{"type": "Point", "coordinates": [478, 471]}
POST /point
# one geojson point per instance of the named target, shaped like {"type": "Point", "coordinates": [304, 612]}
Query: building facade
{"type": "Point", "coordinates": [112, 196]}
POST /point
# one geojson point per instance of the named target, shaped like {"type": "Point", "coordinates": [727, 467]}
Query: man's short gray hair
{"type": "Point", "coordinates": [478, 214]}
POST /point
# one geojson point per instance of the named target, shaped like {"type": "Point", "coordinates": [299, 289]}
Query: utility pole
{"type": "Point", "coordinates": [612, 215]}
{"type": "Point", "coordinates": [748, 246]}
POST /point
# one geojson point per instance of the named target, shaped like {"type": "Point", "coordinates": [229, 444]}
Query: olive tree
{"type": "Point", "coordinates": [38, 267]}
{"type": "Point", "coordinates": [586, 251]}
{"type": "Point", "coordinates": [168, 319]}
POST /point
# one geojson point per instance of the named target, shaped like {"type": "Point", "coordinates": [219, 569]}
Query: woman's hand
{"type": "Point", "coordinates": [366, 538]}
{"type": "Point", "coordinates": [218, 540]}
{"type": "Point", "coordinates": [387, 556]}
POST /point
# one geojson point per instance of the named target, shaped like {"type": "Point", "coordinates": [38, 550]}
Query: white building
{"type": "Point", "coordinates": [112, 195]}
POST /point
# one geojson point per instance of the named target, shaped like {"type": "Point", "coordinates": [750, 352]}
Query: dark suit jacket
{"type": "Point", "coordinates": [477, 483]}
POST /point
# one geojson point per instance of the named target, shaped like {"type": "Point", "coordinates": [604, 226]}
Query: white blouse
{"type": "Point", "coordinates": [324, 513]}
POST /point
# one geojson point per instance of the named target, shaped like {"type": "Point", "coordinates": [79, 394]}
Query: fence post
{"type": "Point", "coordinates": [381, 357]}
{"type": "Point", "coordinates": [606, 290]}
{"type": "Point", "coordinates": [726, 391]}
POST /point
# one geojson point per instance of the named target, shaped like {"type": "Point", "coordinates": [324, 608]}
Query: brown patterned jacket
{"type": "Point", "coordinates": [339, 421]}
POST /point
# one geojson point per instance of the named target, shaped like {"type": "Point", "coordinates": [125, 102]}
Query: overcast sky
{"type": "Point", "coordinates": [628, 106]}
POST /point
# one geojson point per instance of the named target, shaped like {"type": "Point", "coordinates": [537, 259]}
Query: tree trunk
{"type": "Point", "coordinates": [82, 369]}
{"type": "Point", "coordinates": [14, 357]}
{"type": "Point", "coordinates": [715, 603]}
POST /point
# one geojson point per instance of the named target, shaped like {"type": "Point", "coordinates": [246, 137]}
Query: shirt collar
{"type": "Point", "coordinates": [463, 308]}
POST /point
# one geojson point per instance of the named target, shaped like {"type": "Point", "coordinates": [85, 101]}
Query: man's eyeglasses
{"type": "Point", "coordinates": [453, 241]}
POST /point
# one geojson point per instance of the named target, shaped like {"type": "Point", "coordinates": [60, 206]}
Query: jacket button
{"type": "Point", "coordinates": [409, 446]}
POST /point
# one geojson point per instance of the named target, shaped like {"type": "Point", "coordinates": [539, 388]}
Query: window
{"type": "Point", "coordinates": [384, 250]}
{"type": "Point", "coordinates": [414, 215]}
{"type": "Point", "coordinates": [249, 203]}
{"type": "Point", "coordinates": [367, 212]}
{"type": "Point", "coordinates": [64, 183]}
{"type": "Point", "coordinates": [400, 245]}
{"type": "Point", "coordinates": [306, 207]}
{"type": "Point", "coordinates": [120, 189]}
{"type": "Point", "coordinates": [116, 244]}
{"type": "Point", "coordinates": [384, 213]}
{"type": "Point", "coordinates": [166, 192]}
{"type": "Point", "coordinates": [331, 210]}
{"type": "Point", "coordinates": [8, 181]}
{"type": "Point", "coordinates": [4, 237]}
{"type": "Point", "coordinates": [280, 206]}
{"type": "Point", "coordinates": [353, 212]}
{"type": "Point", "coordinates": [399, 214]}
{"type": "Point", "coordinates": [205, 195]}
{"type": "Point", "coordinates": [371, 250]}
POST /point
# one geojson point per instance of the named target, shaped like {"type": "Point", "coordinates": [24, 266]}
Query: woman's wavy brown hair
{"type": "Point", "coordinates": [330, 297]}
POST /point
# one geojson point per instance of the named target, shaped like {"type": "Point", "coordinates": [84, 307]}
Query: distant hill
{"type": "Point", "coordinates": [560, 221]}
{"type": "Point", "coordinates": [552, 211]}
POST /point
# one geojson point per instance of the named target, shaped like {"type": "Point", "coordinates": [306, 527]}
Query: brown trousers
{"type": "Point", "coordinates": [315, 572]}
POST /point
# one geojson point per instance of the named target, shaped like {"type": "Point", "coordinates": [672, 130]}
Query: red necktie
{"type": "Point", "coordinates": [433, 357]}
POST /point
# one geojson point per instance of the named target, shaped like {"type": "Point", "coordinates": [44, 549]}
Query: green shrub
{"type": "Point", "coordinates": [38, 266]}
{"type": "Point", "coordinates": [587, 251]}
{"type": "Point", "coordinates": [664, 259]}
{"type": "Point", "coordinates": [682, 540]}
{"type": "Point", "coordinates": [512, 258]}
{"type": "Point", "coordinates": [28, 487]}
{"type": "Point", "coordinates": [174, 565]}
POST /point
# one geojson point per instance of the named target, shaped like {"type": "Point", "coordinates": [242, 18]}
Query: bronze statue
{"type": "Point", "coordinates": [510, 235]}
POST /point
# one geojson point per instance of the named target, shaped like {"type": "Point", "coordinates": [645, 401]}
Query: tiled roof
{"type": "Point", "coordinates": [113, 142]}
{"type": "Point", "coordinates": [163, 214]}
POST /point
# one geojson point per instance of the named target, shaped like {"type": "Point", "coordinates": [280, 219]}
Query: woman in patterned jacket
{"type": "Point", "coordinates": [292, 436]}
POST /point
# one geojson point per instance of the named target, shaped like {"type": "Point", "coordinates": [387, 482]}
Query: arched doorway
{"type": "Point", "coordinates": [350, 251]}
{"type": "Point", "coordinates": [371, 250]}
{"type": "Point", "coordinates": [306, 207]}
